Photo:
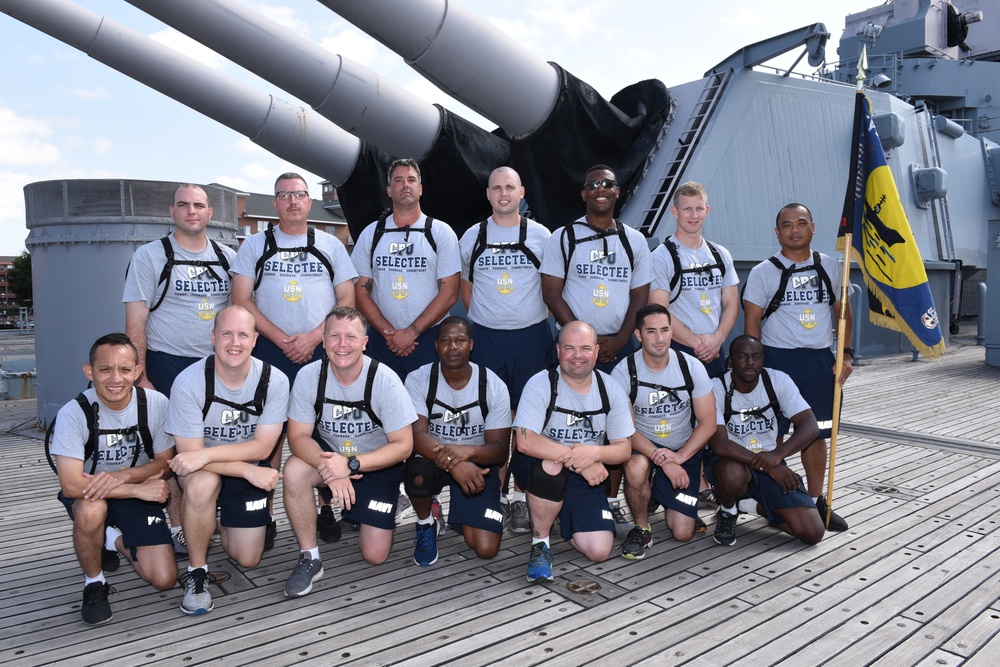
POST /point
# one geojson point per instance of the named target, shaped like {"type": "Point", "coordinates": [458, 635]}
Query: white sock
{"type": "Point", "coordinates": [191, 568]}
{"type": "Point", "coordinates": [729, 510]}
{"type": "Point", "coordinates": [543, 540]}
{"type": "Point", "coordinates": [518, 497]}
{"type": "Point", "coordinates": [313, 553]}
{"type": "Point", "coordinates": [110, 535]}
{"type": "Point", "coordinates": [429, 521]}
{"type": "Point", "coordinates": [747, 506]}
{"type": "Point", "coordinates": [174, 530]}
{"type": "Point", "coordinates": [436, 498]}
{"type": "Point", "coordinates": [816, 500]}
{"type": "Point", "coordinates": [99, 578]}
{"type": "Point", "coordinates": [613, 502]}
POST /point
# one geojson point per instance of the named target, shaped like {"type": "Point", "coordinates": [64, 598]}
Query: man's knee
{"type": "Point", "coordinates": [89, 515]}
{"type": "Point", "coordinates": [418, 477]}
{"type": "Point", "coordinates": [201, 488]}
{"type": "Point", "coordinates": [637, 469]}
{"type": "Point", "coordinates": [546, 486]}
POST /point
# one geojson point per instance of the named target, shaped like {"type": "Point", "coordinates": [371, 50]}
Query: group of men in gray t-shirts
{"type": "Point", "coordinates": [228, 354]}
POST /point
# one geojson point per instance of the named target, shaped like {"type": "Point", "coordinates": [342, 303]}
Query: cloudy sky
{"type": "Point", "coordinates": [65, 116]}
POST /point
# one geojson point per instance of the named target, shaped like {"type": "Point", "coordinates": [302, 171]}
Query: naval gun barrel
{"type": "Point", "coordinates": [557, 125]}
{"type": "Point", "coordinates": [288, 131]}
{"type": "Point", "coordinates": [455, 155]}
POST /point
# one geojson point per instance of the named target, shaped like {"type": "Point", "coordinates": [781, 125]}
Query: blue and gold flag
{"type": "Point", "coordinates": [883, 244]}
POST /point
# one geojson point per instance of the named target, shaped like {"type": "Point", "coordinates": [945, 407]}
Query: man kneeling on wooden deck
{"type": "Point", "coordinates": [747, 466]}
{"type": "Point", "coordinates": [111, 453]}
{"type": "Point", "coordinates": [349, 428]}
{"type": "Point", "coordinates": [461, 438]}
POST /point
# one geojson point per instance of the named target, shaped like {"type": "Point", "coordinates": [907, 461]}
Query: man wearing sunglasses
{"type": "Point", "coordinates": [597, 270]}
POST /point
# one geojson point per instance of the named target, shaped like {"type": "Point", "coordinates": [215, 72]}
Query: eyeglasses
{"type": "Point", "coordinates": [605, 183]}
{"type": "Point", "coordinates": [285, 195]}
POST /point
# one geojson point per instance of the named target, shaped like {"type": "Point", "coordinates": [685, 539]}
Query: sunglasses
{"type": "Point", "coordinates": [605, 183]}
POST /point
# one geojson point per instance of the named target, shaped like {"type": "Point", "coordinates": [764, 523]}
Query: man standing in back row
{"type": "Point", "coordinates": [409, 266]}
{"type": "Point", "coordinates": [696, 280]}
{"type": "Point", "coordinates": [790, 303]}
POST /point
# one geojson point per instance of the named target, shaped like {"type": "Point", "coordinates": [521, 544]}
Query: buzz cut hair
{"type": "Point", "coordinates": [289, 176]}
{"type": "Point", "coordinates": [115, 340]}
{"type": "Point", "coordinates": [794, 204]}
{"type": "Point", "coordinates": [346, 313]}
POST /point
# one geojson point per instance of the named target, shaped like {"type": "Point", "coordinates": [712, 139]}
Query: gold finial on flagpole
{"type": "Point", "coordinates": [862, 66]}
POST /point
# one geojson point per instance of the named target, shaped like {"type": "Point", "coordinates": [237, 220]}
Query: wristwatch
{"type": "Point", "coordinates": [849, 350]}
{"type": "Point", "coordinates": [353, 464]}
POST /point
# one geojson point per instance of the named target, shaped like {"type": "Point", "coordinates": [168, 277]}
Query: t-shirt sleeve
{"type": "Point", "coordinates": [498, 398]}
{"type": "Point", "coordinates": [448, 260]}
{"type": "Point", "coordinates": [276, 406]}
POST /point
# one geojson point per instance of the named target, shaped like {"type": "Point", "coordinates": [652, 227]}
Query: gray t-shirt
{"type": "Point", "coordinates": [507, 287]}
{"type": "Point", "coordinates": [801, 320]}
{"type": "Point", "coordinates": [296, 292]}
{"type": "Point", "coordinates": [660, 416]}
{"type": "Point", "coordinates": [757, 433]}
{"type": "Point", "coordinates": [599, 282]}
{"type": "Point", "coordinates": [405, 268]}
{"type": "Point", "coordinates": [460, 420]}
{"type": "Point", "coordinates": [114, 451]}
{"type": "Point", "coordinates": [350, 430]}
{"type": "Point", "coordinates": [568, 429]}
{"type": "Point", "coordinates": [697, 298]}
{"type": "Point", "coordinates": [182, 324]}
{"type": "Point", "coordinates": [224, 424]}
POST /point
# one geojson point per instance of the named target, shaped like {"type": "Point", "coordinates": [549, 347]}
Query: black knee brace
{"type": "Point", "coordinates": [418, 477]}
{"type": "Point", "coordinates": [546, 486]}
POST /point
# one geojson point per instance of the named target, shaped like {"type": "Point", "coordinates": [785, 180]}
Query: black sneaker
{"type": "Point", "coordinates": [725, 528]}
{"type": "Point", "coordinates": [95, 609]}
{"type": "Point", "coordinates": [652, 506]}
{"type": "Point", "coordinates": [837, 523]}
{"type": "Point", "coordinates": [707, 497]}
{"type": "Point", "coordinates": [109, 560]}
{"type": "Point", "coordinates": [270, 533]}
{"type": "Point", "coordinates": [326, 525]}
{"type": "Point", "coordinates": [636, 542]}
{"type": "Point", "coordinates": [699, 525]}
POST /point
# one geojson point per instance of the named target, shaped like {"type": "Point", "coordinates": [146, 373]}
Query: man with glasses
{"type": "Point", "coordinates": [409, 266]}
{"type": "Point", "coordinates": [597, 270]}
{"type": "Point", "coordinates": [289, 277]}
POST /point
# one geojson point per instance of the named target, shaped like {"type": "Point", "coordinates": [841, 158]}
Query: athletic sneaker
{"type": "Point", "coordinates": [699, 525]}
{"type": "Point", "coordinates": [197, 599]}
{"type": "Point", "coordinates": [837, 523]}
{"type": "Point", "coordinates": [270, 533]}
{"type": "Point", "coordinates": [326, 525]}
{"type": "Point", "coordinates": [540, 563]}
{"type": "Point", "coordinates": [425, 548]}
{"type": "Point", "coordinates": [652, 506]}
{"type": "Point", "coordinates": [707, 496]}
{"type": "Point", "coordinates": [725, 528]}
{"type": "Point", "coordinates": [438, 515]}
{"type": "Point", "coordinates": [95, 609]}
{"type": "Point", "coordinates": [305, 573]}
{"type": "Point", "coordinates": [520, 522]}
{"type": "Point", "coordinates": [180, 543]}
{"type": "Point", "coordinates": [635, 544]}
{"type": "Point", "coordinates": [403, 508]}
{"type": "Point", "coordinates": [109, 560]}
{"type": "Point", "coordinates": [622, 525]}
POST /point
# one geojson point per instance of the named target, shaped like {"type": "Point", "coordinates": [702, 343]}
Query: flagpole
{"type": "Point", "coordinates": [845, 280]}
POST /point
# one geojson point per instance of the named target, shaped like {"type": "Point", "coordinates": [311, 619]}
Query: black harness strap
{"type": "Point", "coordinates": [678, 271]}
{"type": "Point", "coordinates": [772, 398]}
{"type": "Point", "coordinates": [271, 249]}
{"type": "Point", "coordinates": [365, 404]}
{"type": "Point", "coordinates": [172, 261]}
{"type": "Point", "coordinates": [481, 246]}
{"type": "Point", "coordinates": [255, 407]}
{"type": "Point", "coordinates": [786, 274]}
{"type": "Point", "coordinates": [432, 398]}
{"type": "Point", "coordinates": [585, 414]}
{"type": "Point", "coordinates": [598, 233]}
{"type": "Point", "coordinates": [381, 230]}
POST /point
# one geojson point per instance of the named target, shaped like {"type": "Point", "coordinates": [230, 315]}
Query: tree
{"type": "Point", "coordinates": [19, 279]}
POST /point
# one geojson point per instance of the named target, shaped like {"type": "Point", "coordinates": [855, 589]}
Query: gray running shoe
{"type": "Point", "coordinates": [197, 599]}
{"type": "Point", "coordinates": [520, 522]}
{"type": "Point", "coordinates": [305, 573]}
{"type": "Point", "coordinates": [622, 525]}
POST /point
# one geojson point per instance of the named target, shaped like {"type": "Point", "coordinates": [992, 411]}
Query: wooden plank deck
{"type": "Point", "coordinates": [915, 581]}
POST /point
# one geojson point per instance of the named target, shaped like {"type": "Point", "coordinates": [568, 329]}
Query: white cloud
{"type": "Point", "coordinates": [25, 140]}
{"type": "Point", "coordinates": [102, 145]}
{"type": "Point", "coordinates": [189, 47]}
{"type": "Point", "coordinates": [284, 15]}
{"type": "Point", "coordinates": [744, 18]}
{"type": "Point", "coordinates": [99, 93]}
{"type": "Point", "coordinates": [359, 47]}
{"type": "Point", "coordinates": [247, 147]}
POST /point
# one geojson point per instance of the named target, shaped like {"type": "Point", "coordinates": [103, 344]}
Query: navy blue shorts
{"type": "Point", "coordinates": [243, 505]}
{"type": "Point", "coordinates": [812, 371]}
{"type": "Point", "coordinates": [766, 492]}
{"type": "Point", "coordinates": [716, 368]}
{"type": "Point", "coordinates": [683, 501]}
{"type": "Point", "coordinates": [162, 369]}
{"type": "Point", "coordinates": [375, 497]}
{"type": "Point", "coordinates": [585, 507]}
{"type": "Point", "coordinates": [143, 524]}
{"type": "Point", "coordinates": [423, 353]}
{"type": "Point", "coordinates": [514, 355]}
{"type": "Point", "coordinates": [272, 354]}
{"type": "Point", "coordinates": [481, 511]}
